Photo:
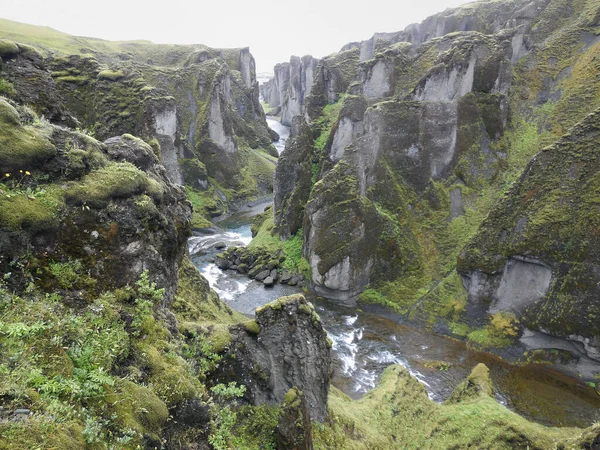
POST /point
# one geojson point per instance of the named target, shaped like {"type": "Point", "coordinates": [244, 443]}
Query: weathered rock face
{"type": "Point", "coordinates": [33, 84]}
{"type": "Point", "coordinates": [419, 132]}
{"type": "Point", "coordinates": [415, 140]}
{"type": "Point", "coordinates": [294, 429]}
{"type": "Point", "coordinates": [536, 255]}
{"type": "Point", "coordinates": [487, 18]}
{"type": "Point", "coordinates": [198, 105]}
{"type": "Point", "coordinates": [289, 88]}
{"type": "Point", "coordinates": [290, 350]}
{"type": "Point", "coordinates": [341, 230]}
{"type": "Point", "coordinates": [333, 76]}
{"type": "Point", "coordinates": [293, 179]}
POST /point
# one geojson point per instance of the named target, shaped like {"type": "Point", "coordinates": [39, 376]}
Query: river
{"type": "Point", "coordinates": [366, 341]}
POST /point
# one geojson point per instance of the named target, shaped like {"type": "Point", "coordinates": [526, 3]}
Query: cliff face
{"type": "Point", "coordinates": [417, 136]}
{"type": "Point", "coordinates": [199, 106]}
{"type": "Point", "coordinates": [287, 90]}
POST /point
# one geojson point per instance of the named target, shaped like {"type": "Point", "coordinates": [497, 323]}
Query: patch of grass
{"type": "Point", "coordinates": [501, 331]}
{"type": "Point", "coordinates": [266, 236]}
{"type": "Point", "coordinates": [399, 414]}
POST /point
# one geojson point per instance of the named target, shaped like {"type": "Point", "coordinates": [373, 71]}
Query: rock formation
{"type": "Point", "coordinates": [417, 135]}
{"type": "Point", "coordinates": [286, 347]}
{"type": "Point", "coordinates": [291, 85]}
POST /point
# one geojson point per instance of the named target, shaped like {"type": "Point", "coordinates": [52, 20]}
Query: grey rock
{"type": "Point", "coordinates": [262, 275]}
{"type": "Point", "coordinates": [269, 281]}
{"type": "Point", "coordinates": [285, 277]}
{"type": "Point", "coordinates": [290, 350]}
{"type": "Point", "coordinates": [222, 263]}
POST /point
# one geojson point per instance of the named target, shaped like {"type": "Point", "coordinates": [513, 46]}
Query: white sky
{"type": "Point", "coordinates": [273, 30]}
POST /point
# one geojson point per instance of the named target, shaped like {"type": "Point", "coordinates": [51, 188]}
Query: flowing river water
{"type": "Point", "coordinates": [366, 341]}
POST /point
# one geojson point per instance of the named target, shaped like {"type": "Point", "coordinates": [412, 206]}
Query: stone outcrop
{"type": "Point", "coordinates": [290, 350]}
{"type": "Point", "coordinates": [121, 214]}
{"type": "Point", "coordinates": [294, 429]}
{"type": "Point", "coordinates": [290, 86]}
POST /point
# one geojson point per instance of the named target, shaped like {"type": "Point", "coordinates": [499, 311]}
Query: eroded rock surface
{"type": "Point", "coordinates": [290, 350]}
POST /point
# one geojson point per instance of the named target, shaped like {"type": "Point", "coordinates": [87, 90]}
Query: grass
{"type": "Point", "coordinates": [398, 414]}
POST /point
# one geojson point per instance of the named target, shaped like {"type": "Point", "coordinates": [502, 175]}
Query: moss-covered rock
{"type": "Point", "coordinates": [24, 147]}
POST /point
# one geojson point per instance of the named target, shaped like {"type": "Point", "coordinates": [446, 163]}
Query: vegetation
{"type": "Point", "coordinates": [398, 414]}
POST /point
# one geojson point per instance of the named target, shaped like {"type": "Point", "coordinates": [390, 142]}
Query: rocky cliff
{"type": "Point", "coordinates": [417, 136]}
{"type": "Point", "coordinates": [291, 85]}
{"type": "Point", "coordinates": [199, 106]}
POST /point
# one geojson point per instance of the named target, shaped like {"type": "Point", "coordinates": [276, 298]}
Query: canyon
{"type": "Point", "coordinates": [438, 185]}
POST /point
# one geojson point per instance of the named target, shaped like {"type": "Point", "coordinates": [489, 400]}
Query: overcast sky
{"type": "Point", "coordinates": [273, 30]}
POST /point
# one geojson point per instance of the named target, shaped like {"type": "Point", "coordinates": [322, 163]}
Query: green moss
{"type": "Point", "coordinates": [7, 88]}
{"type": "Point", "coordinates": [266, 237]}
{"type": "Point", "coordinates": [137, 408]}
{"type": "Point", "coordinates": [22, 212]}
{"type": "Point", "coordinates": [219, 338]}
{"type": "Point", "coordinates": [252, 326]}
{"type": "Point", "coordinates": [281, 302]}
{"type": "Point", "coordinates": [37, 434]}
{"type": "Point", "coordinates": [8, 49]}
{"type": "Point", "coordinates": [292, 397]}
{"type": "Point", "coordinates": [398, 414]}
{"type": "Point", "coordinates": [115, 180]}
{"type": "Point", "coordinates": [77, 79]}
{"type": "Point", "coordinates": [205, 204]}
{"type": "Point", "coordinates": [111, 75]}
{"type": "Point", "coordinates": [168, 375]}
{"type": "Point", "coordinates": [196, 303]}
{"type": "Point", "coordinates": [501, 332]}
{"type": "Point", "coordinates": [21, 147]}
{"type": "Point", "coordinates": [478, 383]}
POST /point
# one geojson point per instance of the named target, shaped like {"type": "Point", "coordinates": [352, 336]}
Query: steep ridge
{"type": "Point", "coordinates": [417, 135]}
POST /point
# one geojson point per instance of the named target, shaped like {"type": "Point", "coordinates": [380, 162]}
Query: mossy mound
{"type": "Point", "coordinates": [116, 180]}
{"type": "Point", "coordinates": [23, 147]}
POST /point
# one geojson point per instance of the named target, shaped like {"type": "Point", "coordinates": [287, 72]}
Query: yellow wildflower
{"type": "Point", "coordinates": [27, 172]}
{"type": "Point", "coordinates": [7, 175]}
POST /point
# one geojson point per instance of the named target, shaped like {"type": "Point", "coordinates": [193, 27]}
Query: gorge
{"type": "Point", "coordinates": [393, 246]}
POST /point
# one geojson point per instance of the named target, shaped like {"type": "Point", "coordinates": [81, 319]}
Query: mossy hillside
{"type": "Point", "coordinates": [126, 91]}
{"type": "Point", "coordinates": [52, 42]}
{"type": "Point", "coordinates": [398, 414]}
{"type": "Point", "coordinates": [116, 93]}
{"type": "Point", "coordinates": [118, 385]}
{"type": "Point", "coordinates": [554, 198]}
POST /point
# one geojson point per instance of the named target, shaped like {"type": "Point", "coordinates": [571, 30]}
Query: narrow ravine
{"type": "Point", "coordinates": [364, 343]}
